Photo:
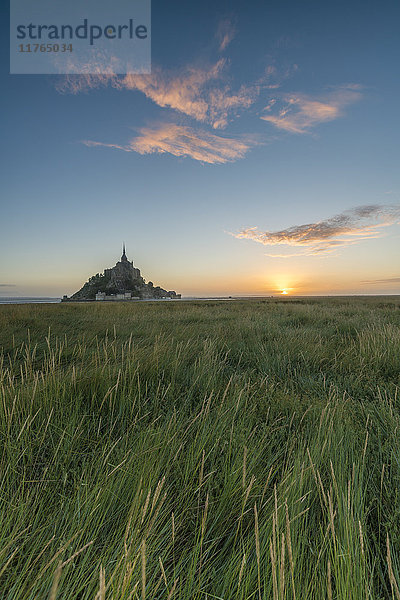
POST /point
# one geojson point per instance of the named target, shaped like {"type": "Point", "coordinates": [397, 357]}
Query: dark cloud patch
{"type": "Point", "coordinates": [388, 280]}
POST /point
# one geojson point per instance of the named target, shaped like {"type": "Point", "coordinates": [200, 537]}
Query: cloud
{"type": "Point", "coordinates": [388, 280]}
{"type": "Point", "coordinates": [75, 84]}
{"type": "Point", "coordinates": [324, 237]}
{"type": "Point", "coordinates": [298, 113]}
{"type": "Point", "coordinates": [100, 71]}
{"type": "Point", "coordinates": [183, 141]}
{"type": "Point", "coordinates": [205, 93]}
{"type": "Point", "coordinates": [7, 285]}
{"type": "Point", "coordinates": [198, 92]}
{"type": "Point", "coordinates": [225, 33]}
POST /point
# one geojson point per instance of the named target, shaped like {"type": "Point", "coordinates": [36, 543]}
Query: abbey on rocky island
{"type": "Point", "coordinates": [121, 282]}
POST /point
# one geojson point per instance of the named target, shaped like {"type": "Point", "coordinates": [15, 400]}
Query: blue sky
{"type": "Point", "coordinates": [238, 166]}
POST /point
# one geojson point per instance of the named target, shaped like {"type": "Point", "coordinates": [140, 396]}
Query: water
{"type": "Point", "coordinates": [10, 300]}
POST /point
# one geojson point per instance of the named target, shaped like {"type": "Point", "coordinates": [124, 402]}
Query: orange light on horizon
{"type": "Point", "coordinates": [285, 284]}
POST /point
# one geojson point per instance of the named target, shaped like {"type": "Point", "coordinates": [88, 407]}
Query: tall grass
{"type": "Point", "coordinates": [241, 450]}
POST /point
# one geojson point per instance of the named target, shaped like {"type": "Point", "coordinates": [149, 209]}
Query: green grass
{"type": "Point", "coordinates": [200, 450]}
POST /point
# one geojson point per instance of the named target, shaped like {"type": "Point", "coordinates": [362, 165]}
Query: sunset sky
{"type": "Point", "coordinates": [260, 155]}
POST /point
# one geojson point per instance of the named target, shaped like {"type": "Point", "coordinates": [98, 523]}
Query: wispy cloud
{"type": "Point", "coordinates": [183, 141]}
{"type": "Point", "coordinates": [184, 91]}
{"type": "Point", "coordinates": [76, 84]}
{"type": "Point", "coordinates": [201, 93]}
{"type": "Point", "coordinates": [298, 113]}
{"type": "Point", "coordinates": [205, 93]}
{"type": "Point", "coordinates": [225, 33]}
{"type": "Point", "coordinates": [99, 71]}
{"type": "Point", "coordinates": [378, 281]}
{"type": "Point", "coordinates": [323, 237]}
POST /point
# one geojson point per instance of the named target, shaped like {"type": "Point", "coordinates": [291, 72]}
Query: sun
{"type": "Point", "coordinates": [284, 292]}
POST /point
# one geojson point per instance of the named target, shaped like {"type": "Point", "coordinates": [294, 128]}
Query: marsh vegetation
{"type": "Point", "coordinates": [232, 450]}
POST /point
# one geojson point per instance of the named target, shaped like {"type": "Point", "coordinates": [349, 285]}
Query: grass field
{"type": "Point", "coordinates": [201, 450]}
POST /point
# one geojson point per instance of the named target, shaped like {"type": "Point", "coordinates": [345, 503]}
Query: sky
{"type": "Point", "coordinates": [261, 155]}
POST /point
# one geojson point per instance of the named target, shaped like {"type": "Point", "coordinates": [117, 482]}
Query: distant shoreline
{"type": "Point", "coordinates": [288, 298]}
{"type": "Point", "coordinates": [29, 300]}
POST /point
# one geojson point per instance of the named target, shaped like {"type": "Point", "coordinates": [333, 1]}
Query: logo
{"type": "Point", "coordinates": [80, 37]}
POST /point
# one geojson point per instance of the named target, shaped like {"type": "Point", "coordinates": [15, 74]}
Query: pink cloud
{"type": "Point", "coordinates": [298, 113]}
{"type": "Point", "coordinates": [324, 237]}
{"type": "Point", "coordinates": [184, 141]}
{"type": "Point", "coordinates": [197, 92]}
{"type": "Point", "coordinates": [200, 93]}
